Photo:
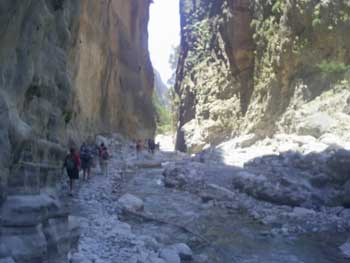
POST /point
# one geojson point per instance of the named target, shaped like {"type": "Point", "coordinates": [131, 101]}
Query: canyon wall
{"type": "Point", "coordinates": [262, 67]}
{"type": "Point", "coordinates": [68, 70]}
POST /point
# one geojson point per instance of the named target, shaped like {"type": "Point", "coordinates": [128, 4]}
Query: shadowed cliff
{"type": "Point", "coordinates": [68, 70]}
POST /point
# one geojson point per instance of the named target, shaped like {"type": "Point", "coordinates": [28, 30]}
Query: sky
{"type": "Point", "coordinates": [164, 32]}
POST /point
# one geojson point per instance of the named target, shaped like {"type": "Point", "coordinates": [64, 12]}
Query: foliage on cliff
{"type": "Point", "coordinates": [243, 64]}
{"type": "Point", "coordinates": [163, 116]}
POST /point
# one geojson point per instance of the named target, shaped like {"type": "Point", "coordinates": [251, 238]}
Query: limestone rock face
{"type": "Point", "coordinates": [68, 70]}
{"type": "Point", "coordinates": [261, 67]}
{"type": "Point", "coordinates": [114, 75]}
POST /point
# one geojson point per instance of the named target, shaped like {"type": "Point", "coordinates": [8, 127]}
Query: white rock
{"type": "Point", "coordinates": [130, 202]}
{"type": "Point", "coordinates": [170, 255]}
{"type": "Point", "coordinates": [150, 242]}
{"type": "Point", "coordinates": [316, 147]}
{"type": "Point", "coordinates": [345, 249]}
{"type": "Point", "coordinates": [184, 251]}
{"type": "Point", "coordinates": [301, 140]}
{"type": "Point", "coordinates": [301, 212]}
{"type": "Point", "coordinates": [331, 139]}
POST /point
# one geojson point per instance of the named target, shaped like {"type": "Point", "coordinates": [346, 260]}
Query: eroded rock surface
{"type": "Point", "coordinates": [262, 67]}
{"type": "Point", "coordinates": [69, 70]}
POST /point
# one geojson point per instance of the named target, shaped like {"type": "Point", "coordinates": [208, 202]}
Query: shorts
{"type": "Point", "coordinates": [86, 164]}
{"type": "Point", "coordinates": [73, 174]}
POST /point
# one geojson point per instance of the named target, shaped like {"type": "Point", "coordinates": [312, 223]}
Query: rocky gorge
{"type": "Point", "coordinates": [263, 114]}
{"type": "Point", "coordinates": [216, 207]}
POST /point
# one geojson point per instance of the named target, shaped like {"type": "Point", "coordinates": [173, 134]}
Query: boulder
{"type": "Point", "coordinates": [213, 191]}
{"type": "Point", "coordinates": [57, 234]}
{"type": "Point", "coordinates": [246, 140]}
{"type": "Point", "coordinates": [180, 175]}
{"type": "Point", "coordinates": [320, 180]}
{"type": "Point", "coordinates": [193, 137]}
{"type": "Point", "coordinates": [27, 245]}
{"type": "Point", "coordinates": [316, 125]}
{"type": "Point", "coordinates": [301, 212]}
{"type": "Point", "coordinates": [332, 140]}
{"type": "Point", "coordinates": [339, 164]}
{"type": "Point", "coordinates": [150, 242]}
{"type": "Point", "coordinates": [175, 182]}
{"type": "Point", "coordinates": [29, 210]}
{"type": "Point", "coordinates": [130, 202]}
{"type": "Point", "coordinates": [184, 251]}
{"type": "Point", "coordinates": [271, 189]}
{"type": "Point", "coordinates": [345, 249]}
{"type": "Point", "coordinates": [170, 255]}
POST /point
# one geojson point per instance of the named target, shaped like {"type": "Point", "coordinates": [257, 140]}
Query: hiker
{"type": "Point", "coordinates": [86, 161]}
{"type": "Point", "coordinates": [151, 146]}
{"type": "Point", "coordinates": [104, 156]}
{"type": "Point", "coordinates": [138, 148]}
{"type": "Point", "coordinates": [72, 165]}
{"type": "Point", "coordinates": [95, 155]}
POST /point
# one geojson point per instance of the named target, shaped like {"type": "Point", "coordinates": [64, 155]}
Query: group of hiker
{"type": "Point", "coordinates": [86, 158]}
{"type": "Point", "coordinates": [83, 160]}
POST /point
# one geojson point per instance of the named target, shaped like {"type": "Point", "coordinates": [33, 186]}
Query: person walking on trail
{"type": "Point", "coordinates": [104, 156]}
{"type": "Point", "coordinates": [138, 148]}
{"type": "Point", "coordinates": [94, 150]}
{"type": "Point", "coordinates": [72, 165]}
{"type": "Point", "coordinates": [86, 161]}
{"type": "Point", "coordinates": [151, 146]}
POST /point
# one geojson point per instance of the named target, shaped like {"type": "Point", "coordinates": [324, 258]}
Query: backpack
{"type": "Point", "coordinates": [104, 154]}
{"type": "Point", "coordinates": [70, 163]}
{"type": "Point", "coordinates": [84, 154]}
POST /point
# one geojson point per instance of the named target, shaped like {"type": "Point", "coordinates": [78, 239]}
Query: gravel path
{"type": "Point", "coordinates": [103, 237]}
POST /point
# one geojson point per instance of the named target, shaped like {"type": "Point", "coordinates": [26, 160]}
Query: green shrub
{"type": "Point", "coordinates": [333, 67]}
{"type": "Point", "coordinates": [163, 116]}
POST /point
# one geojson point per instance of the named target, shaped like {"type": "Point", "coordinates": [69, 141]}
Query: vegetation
{"type": "Point", "coordinates": [163, 116]}
{"type": "Point", "coordinates": [281, 44]}
{"type": "Point", "coordinates": [333, 67]}
{"type": "Point", "coordinates": [174, 107]}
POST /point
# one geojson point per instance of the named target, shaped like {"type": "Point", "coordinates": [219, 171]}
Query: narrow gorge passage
{"type": "Point", "coordinates": [258, 111]}
{"type": "Point", "coordinates": [144, 209]}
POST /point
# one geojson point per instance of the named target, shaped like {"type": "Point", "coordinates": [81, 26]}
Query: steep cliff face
{"type": "Point", "coordinates": [114, 75]}
{"type": "Point", "coordinates": [248, 66]}
{"type": "Point", "coordinates": [68, 70]}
